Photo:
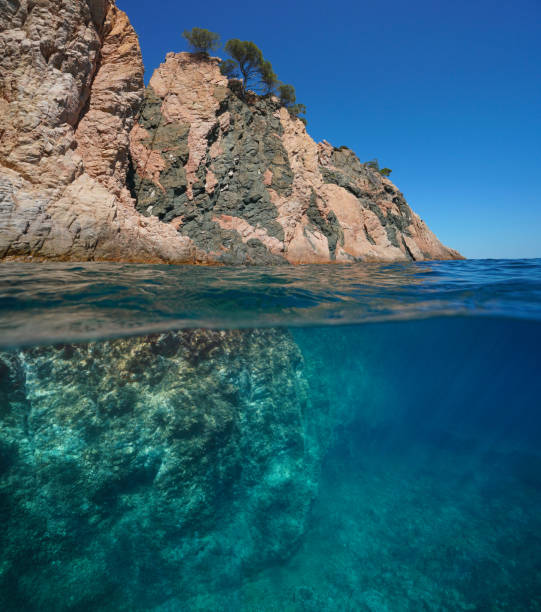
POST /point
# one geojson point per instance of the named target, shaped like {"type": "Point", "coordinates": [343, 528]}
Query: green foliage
{"type": "Point", "coordinates": [229, 68]}
{"type": "Point", "coordinates": [249, 60]}
{"type": "Point", "coordinates": [287, 95]}
{"type": "Point", "coordinates": [256, 73]}
{"type": "Point", "coordinates": [247, 65]}
{"type": "Point", "coordinates": [288, 99]}
{"type": "Point", "coordinates": [269, 79]}
{"type": "Point", "coordinates": [297, 110]}
{"type": "Point", "coordinates": [373, 164]}
{"type": "Point", "coordinates": [201, 40]}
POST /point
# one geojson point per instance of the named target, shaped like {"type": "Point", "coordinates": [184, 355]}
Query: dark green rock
{"type": "Point", "coordinates": [251, 145]}
{"type": "Point", "coordinates": [328, 225]}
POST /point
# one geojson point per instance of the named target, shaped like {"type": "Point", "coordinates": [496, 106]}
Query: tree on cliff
{"type": "Point", "coordinates": [247, 62]}
{"type": "Point", "coordinates": [374, 165]}
{"type": "Point", "coordinates": [230, 69]}
{"type": "Point", "coordinates": [288, 99]}
{"type": "Point", "coordinates": [255, 73]}
{"type": "Point", "coordinates": [269, 80]}
{"type": "Point", "coordinates": [201, 40]}
{"type": "Point", "coordinates": [260, 76]}
{"type": "Point", "coordinates": [287, 94]}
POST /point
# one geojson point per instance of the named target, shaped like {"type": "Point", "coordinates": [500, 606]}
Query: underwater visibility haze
{"type": "Point", "coordinates": [345, 437]}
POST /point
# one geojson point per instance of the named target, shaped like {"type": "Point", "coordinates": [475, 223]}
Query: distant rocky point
{"type": "Point", "coordinates": [95, 167]}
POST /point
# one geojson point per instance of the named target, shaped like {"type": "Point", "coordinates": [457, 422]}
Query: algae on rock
{"type": "Point", "coordinates": [153, 456]}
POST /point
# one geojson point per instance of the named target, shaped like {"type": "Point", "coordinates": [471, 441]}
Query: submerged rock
{"type": "Point", "coordinates": [132, 469]}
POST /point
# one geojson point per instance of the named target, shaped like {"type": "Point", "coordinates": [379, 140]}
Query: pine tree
{"type": "Point", "coordinates": [201, 40]}
{"type": "Point", "coordinates": [249, 60]}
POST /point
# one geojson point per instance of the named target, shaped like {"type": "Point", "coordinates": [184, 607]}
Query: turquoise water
{"type": "Point", "coordinates": [361, 437]}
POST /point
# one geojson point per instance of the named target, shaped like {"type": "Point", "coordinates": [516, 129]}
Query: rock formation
{"type": "Point", "coordinates": [71, 83]}
{"type": "Point", "coordinates": [200, 176]}
{"type": "Point", "coordinates": [247, 184]}
{"type": "Point", "coordinates": [129, 467]}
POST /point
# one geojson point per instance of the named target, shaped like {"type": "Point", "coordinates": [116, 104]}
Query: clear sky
{"type": "Point", "coordinates": [447, 93]}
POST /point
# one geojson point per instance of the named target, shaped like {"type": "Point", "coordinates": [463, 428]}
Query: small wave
{"type": "Point", "coordinates": [48, 303]}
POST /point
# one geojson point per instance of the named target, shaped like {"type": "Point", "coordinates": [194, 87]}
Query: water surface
{"type": "Point", "coordinates": [51, 302]}
{"type": "Point", "coordinates": [360, 437]}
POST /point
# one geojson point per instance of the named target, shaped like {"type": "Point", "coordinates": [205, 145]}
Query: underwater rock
{"type": "Point", "coordinates": [158, 457]}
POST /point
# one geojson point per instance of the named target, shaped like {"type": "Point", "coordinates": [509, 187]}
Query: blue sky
{"type": "Point", "coordinates": [446, 93]}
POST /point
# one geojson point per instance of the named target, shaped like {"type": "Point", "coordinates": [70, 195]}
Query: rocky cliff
{"type": "Point", "coordinates": [92, 166]}
{"type": "Point", "coordinates": [71, 83]}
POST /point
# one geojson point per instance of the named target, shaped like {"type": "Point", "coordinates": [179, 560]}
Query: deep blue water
{"type": "Point", "coordinates": [423, 387]}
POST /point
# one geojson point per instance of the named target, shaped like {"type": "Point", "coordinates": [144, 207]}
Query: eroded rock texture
{"type": "Point", "coordinates": [128, 468]}
{"type": "Point", "coordinates": [247, 184]}
{"type": "Point", "coordinates": [71, 83]}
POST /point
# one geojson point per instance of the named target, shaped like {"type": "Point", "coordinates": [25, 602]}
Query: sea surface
{"type": "Point", "coordinates": [361, 437]}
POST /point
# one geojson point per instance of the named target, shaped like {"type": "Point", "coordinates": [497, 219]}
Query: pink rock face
{"type": "Point", "coordinates": [148, 163]}
{"type": "Point", "coordinates": [71, 82]}
{"type": "Point", "coordinates": [191, 90]}
{"type": "Point", "coordinates": [102, 134]}
{"type": "Point", "coordinates": [365, 236]}
{"type": "Point", "coordinates": [248, 232]}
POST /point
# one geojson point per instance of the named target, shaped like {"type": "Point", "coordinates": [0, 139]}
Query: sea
{"type": "Point", "coordinates": [361, 437]}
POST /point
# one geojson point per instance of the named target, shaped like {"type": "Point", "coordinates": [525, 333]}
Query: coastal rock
{"type": "Point", "coordinates": [92, 167]}
{"type": "Point", "coordinates": [71, 83]}
{"type": "Point", "coordinates": [158, 456]}
{"type": "Point", "coordinates": [247, 184]}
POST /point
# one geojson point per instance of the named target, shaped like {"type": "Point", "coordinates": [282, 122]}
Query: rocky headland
{"type": "Point", "coordinates": [93, 166]}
